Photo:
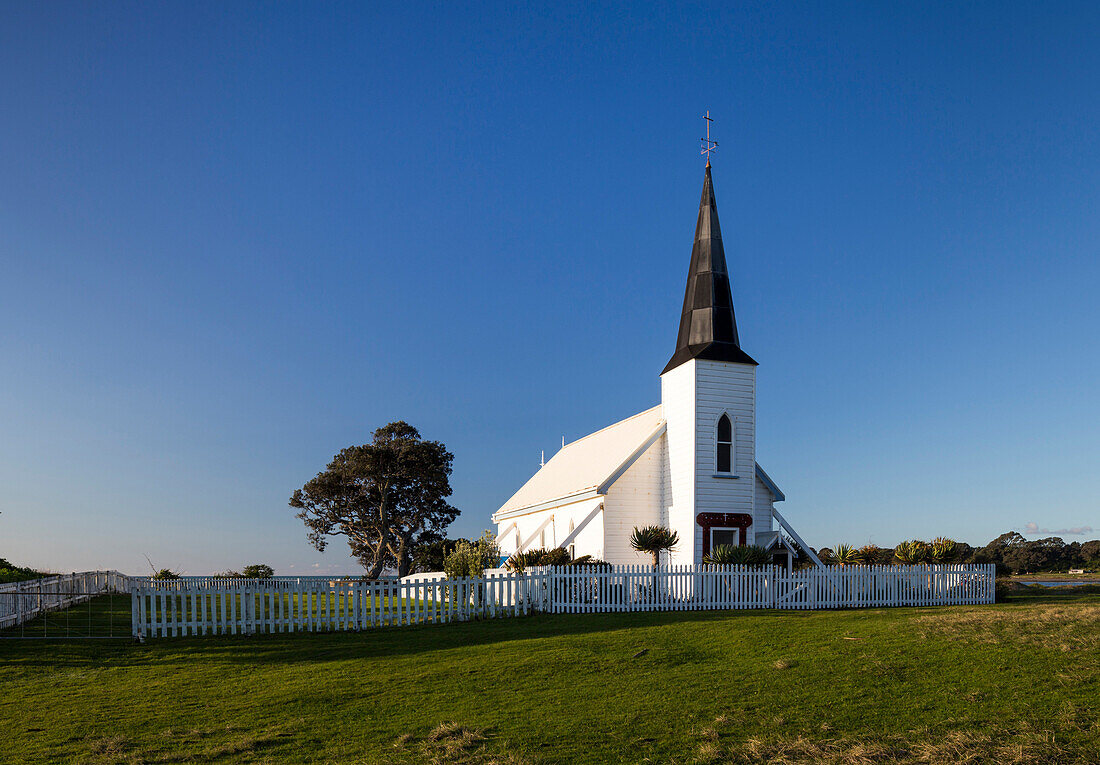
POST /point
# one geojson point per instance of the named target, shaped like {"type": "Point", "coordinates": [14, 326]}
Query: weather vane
{"type": "Point", "coordinates": [708, 145]}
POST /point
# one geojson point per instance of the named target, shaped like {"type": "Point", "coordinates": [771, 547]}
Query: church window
{"type": "Point", "coordinates": [724, 455]}
{"type": "Point", "coordinates": [720, 536]}
{"type": "Point", "coordinates": [572, 545]}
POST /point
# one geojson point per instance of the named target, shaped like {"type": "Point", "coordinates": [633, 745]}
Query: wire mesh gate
{"type": "Point", "coordinates": [83, 606]}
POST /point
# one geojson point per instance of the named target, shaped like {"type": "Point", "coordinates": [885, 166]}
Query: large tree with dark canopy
{"type": "Point", "coordinates": [385, 497]}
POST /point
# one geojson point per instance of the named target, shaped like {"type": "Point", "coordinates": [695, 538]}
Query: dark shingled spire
{"type": "Point", "coordinates": [708, 329]}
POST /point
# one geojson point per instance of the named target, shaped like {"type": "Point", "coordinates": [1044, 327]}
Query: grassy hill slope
{"type": "Point", "coordinates": [1007, 683]}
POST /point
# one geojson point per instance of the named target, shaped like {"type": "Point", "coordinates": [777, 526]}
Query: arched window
{"type": "Point", "coordinates": [572, 546]}
{"type": "Point", "coordinates": [723, 457]}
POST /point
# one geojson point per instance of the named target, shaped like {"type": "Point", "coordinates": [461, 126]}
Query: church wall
{"type": "Point", "coordinates": [723, 387]}
{"type": "Point", "coordinates": [763, 507]}
{"type": "Point", "coordinates": [635, 499]}
{"type": "Point", "coordinates": [526, 525]}
{"type": "Point", "coordinates": [678, 409]}
{"type": "Point", "coordinates": [589, 540]}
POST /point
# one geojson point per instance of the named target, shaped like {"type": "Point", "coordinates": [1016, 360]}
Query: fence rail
{"type": "Point", "coordinates": [572, 589]}
{"type": "Point", "coordinates": [23, 601]}
{"type": "Point", "coordinates": [292, 604]}
{"type": "Point", "coordinates": [261, 605]}
{"type": "Point", "coordinates": [229, 583]}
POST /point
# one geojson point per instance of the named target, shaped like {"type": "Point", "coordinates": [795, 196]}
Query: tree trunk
{"type": "Point", "coordinates": [377, 564]}
{"type": "Point", "coordinates": [378, 561]}
{"type": "Point", "coordinates": [404, 562]}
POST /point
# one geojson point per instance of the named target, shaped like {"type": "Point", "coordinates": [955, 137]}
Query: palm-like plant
{"type": "Point", "coordinates": [845, 555]}
{"type": "Point", "coordinates": [735, 555]}
{"type": "Point", "coordinates": [912, 552]}
{"type": "Point", "coordinates": [653, 540]}
{"type": "Point", "coordinates": [942, 550]}
{"type": "Point", "coordinates": [868, 555]}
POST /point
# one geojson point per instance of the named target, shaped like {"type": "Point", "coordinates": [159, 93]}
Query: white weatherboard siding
{"type": "Point", "coordinates": [634, 500]}
{"type": "Point", "coordinates": [694, 396]}
{"type": "Point", "coordinates": [588, 541]}
{"type": "Point", "coordinates": [678, 409]}
{"type": "Point", "coordinates": [762, 518]}
{"type": "Point", "coordinates": [724, 388]}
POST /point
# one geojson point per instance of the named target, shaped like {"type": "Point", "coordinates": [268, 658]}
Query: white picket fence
{"type": "Point", "coordinates": [22, 601]}
{"type": "Point", "coordinates": [322, 604]}
{"type": "Point", "coordinates": [229, 583]}
{"type": "Point", "coordinates": [572, 589]}
{"type": "Point", "coordinates": [290, 604]}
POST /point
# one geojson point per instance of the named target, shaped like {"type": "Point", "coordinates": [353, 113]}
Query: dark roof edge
{"type": "Point", "coordinates": [710, 352]}
{"type": "Point", "coordinates": [767, 481]}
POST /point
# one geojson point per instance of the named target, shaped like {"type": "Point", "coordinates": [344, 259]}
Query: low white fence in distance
{"type": "Point", "coordinates": [290, 604]}
{"type": "Point", "coordinates": [323, 604]}
{"type": "Point", "coordinates": [229, 583]}
{"type": "Point", "coordinates": [22, 601]}
{"type": "Point", "coordinates": [574, 589]}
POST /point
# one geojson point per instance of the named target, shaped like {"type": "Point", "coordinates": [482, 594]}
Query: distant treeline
{"type": "Point", "coordinates": [9, 572]}
{"type": "Point", "coordinates": [1011, 552]}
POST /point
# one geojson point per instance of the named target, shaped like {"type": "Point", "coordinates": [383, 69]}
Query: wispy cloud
{"type": "Point", "coordinates": [1033, 528]}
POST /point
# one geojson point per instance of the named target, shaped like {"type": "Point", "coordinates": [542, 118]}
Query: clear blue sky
{"type": "Point", "coordinates": [236, 238]}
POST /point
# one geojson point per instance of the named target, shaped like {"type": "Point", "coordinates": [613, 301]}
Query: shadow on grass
{"type": "Point", "coordinates": [1016, 593]}
{"type": "Point", "coordinates": [301, 647]}
{"type": "Point", "coordinates": [104, 616]}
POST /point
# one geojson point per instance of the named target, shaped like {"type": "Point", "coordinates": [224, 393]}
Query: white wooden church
{"type": "Point", "coordinates": [688, 463]}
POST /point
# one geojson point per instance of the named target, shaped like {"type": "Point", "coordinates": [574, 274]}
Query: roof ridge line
{"type": "Point", "coordinates": [607, 427]}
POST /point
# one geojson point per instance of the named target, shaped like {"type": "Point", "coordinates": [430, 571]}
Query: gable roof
{"type": "Point", "coordinates": [770, 539]}
{"type": "Point", "coordinates": [589, 465]}
{"type": "Point", "coordinates": [708, 328]}
{"type": "Point", "coordinates": [769, 484]}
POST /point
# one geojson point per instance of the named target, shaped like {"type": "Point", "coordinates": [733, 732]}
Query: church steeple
{"type": "Point", "coordinates": [708, 329]}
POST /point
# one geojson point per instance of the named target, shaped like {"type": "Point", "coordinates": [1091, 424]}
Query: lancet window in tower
{"type": "Point", "coordinates": [724, 455]}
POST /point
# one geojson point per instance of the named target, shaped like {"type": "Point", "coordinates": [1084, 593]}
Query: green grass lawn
{"type": "Point", "coordinates": [109, 616]}
{"type": "Point", "coordinates": [1062, 576]}
{"type": "Point", "coordinates": [1017, 682]}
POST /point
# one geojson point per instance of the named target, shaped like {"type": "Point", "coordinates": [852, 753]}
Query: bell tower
{"type": "Point", "coordinates": [708, 400]}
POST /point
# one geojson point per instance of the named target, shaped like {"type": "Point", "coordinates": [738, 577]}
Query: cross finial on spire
{"type": "Point", "coordinates": [708, 145]}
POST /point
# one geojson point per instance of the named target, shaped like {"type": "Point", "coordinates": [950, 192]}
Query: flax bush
{"type": "Point", "coordinates": [555, 556]}
{"type": "Point", "coordinates": [912, 552]}
{"type": "Point", "coordinates": [735, 555]}
{"type": "Point", "coordinates": [868, 555]}
{"type": "Point", "coordinates": [942, 550]}
{"type": "Point", "coordinates": [845, 555]}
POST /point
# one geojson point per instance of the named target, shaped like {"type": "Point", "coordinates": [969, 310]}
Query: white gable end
{"type": "Point", "coordinates": [587, 466]}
